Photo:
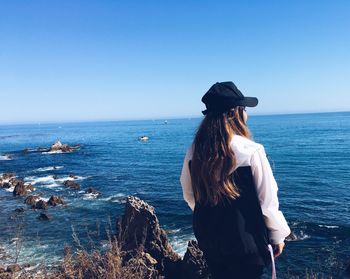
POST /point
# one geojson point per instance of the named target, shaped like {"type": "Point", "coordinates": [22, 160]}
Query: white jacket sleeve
{"type": "Point", "coordinates": [266, 187]}
{"type": "Point", "coordinates": [185, 180]}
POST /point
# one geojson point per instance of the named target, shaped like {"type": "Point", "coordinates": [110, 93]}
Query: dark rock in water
{"type": "Point", "coordinates": [19, 210]}
{"type": "Point", "coordinates": [193, 264]}
{"type": "Point", "coordinates": [31, 200]}
{"type": "Point", "coordinates": [291, 237]}
{"type": "Point", "coordinates": [6, 185]}
{"type": "Point", "coordinates": [55, 200]}
{"type": "Point", "coordinates": [72, 184]}
{"type": "Point", "coordinates": [55, 176]}
{"type": "Point", "coordinates": [13, 268]}
{"type": "Point", "coordinates": [40, 205]}
{"type": "Point", "coordinates": [44, 217]}
{"type": "Point", "coordinates": [20, 189]}
{"type": "Point", "coordinates": [91, 190]}
{"type": "Point", "coordinates": [139, 228]}
{"type": "Point", "coordinates": [73, 176]}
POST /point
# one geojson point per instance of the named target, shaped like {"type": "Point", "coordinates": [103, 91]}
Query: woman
{"type": "Point", "coordinates": [228, 183]}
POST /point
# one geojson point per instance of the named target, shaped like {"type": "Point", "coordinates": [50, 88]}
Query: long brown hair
{"type": "Point", "coordinates": [213, 159]}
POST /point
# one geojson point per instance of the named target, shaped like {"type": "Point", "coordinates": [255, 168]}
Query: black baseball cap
{"type": "Point", "coordinates": [223, 96]}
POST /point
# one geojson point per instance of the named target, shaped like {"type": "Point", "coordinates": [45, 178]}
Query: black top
{"type": "Point", "coordinates": [234, 230]}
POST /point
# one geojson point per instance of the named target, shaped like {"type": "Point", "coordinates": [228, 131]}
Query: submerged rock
{"type": "Point", "coordinates": [41, 204]}
{"type": "Point", "coordinates": [19, 210]}
{"type": "Point", "coordinates": [44, 217]}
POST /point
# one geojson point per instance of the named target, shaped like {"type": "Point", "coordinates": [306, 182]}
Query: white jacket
{"type": "Point", "coordinates": [249, 153]}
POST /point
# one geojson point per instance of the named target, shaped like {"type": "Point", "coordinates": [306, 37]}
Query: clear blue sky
{"type": "Point", "coordinates": [94, 60]}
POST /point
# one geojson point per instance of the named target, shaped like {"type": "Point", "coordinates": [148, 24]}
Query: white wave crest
{"type": "Point", "coordinates": [49, 179]}
{"type": "Point", "coordinates": [10, 189]}
{"type": "Point", "coordinates": [90, 196]}
{"type": "Point", "coordinates": [5, 158]}
{"type": "Point", "coordinates": [328, 226]}
{"type": "Point", "coordinates": [53, 152]}
{"type": "Point", "coordinates": [49, 168]}
{"type": "Point", "coordinates": [115, 198]}
{"type": "Point", "coordinates": [76, 177]}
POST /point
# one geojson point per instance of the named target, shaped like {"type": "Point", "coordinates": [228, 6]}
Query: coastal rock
{"type": "Point", "coordinates": [72, 185]}
{"type": "Point", "coordinates": [193, 264]}
{"type": "Point", "coordinates": [91, 190]}
{"type": "Point", "coordinates": [7, 180]}
{"type": "Point", "coordinates": [139, 228]}
{"type": "Point", "coordinates": [59, 147]}
{"type": "Point", "coordinates": [6, 185]}
{"type": "Point", "coordinates": [73, 176]}
{"type": "Point", "coordinates": [44, 217]}
{"type": "Point", "coordinates": [13, 268]}
{"type": "Point", "coordinates": [20, 189]}
{"type": "Point", "coordinates": [55, 200]}
{"type": "Point", "coordinates": [291, 237]}
{"type": "Point", "coordinates": [8, 175]}
{"type": "Point", "coordinates": [2, 269]}
{"type": "Point", "coordinates": [31, 200]}
{"type": "Point", "coordinates": [41, 204]}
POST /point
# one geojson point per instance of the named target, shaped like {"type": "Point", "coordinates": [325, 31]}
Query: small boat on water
{"type": "Point", "coordinates": [144, 138]}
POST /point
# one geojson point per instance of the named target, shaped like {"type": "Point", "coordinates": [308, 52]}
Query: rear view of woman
{"type": "Point", "coordinates": [228, 183]}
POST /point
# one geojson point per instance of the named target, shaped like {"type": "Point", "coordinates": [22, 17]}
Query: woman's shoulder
{"type": "Point", "coordinates": [244, 148]}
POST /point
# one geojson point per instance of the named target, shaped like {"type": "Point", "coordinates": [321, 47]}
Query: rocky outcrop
{"type": "Point", "coordinates": [55, 200]}
{"type": "Point", "coordinates": [139, 229]}
{"type": "Point", "coordinates": [31, 200]}
{"type": "Point", "coordinates": [72, 185]}
{"type": "Point", "coordinates": [22, 189]}
{"type": "Point", "coordinates": [93, 191]}
{"type": "Point", "coordinates": [9, 180]}
{"type": "Point", "coordinates": [59, 147]}
{"type": "Point", "coordinates": [193, 264]}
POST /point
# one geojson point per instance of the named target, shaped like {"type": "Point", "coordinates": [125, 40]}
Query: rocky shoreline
{"type": "Point", "coordinates": [141, 242]}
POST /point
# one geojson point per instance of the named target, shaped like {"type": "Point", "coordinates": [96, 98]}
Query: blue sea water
{"type": "Point", "coordinates": [309, 153]}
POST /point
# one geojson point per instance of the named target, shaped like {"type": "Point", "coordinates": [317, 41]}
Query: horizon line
{"type": "Point", "coordinates": [155, 118]}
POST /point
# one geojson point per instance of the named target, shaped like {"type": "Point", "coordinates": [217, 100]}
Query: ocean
{"type": "Point", "coordinates": [309, 154]}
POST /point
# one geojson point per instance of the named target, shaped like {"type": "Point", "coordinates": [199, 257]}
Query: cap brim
{"type": "Point", "coordinates": [250, 102]}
